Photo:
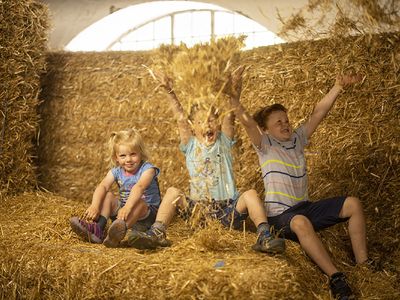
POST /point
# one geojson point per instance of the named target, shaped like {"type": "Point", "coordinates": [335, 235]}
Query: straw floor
{"type": "Point", "coordinates": [43, 259]}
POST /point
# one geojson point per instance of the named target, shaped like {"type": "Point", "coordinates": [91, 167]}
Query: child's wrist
{"type": "Point", "coordinates": [339, 87]}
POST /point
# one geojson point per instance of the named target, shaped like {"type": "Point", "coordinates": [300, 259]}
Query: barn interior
{"type": "Point", "coordinates": [61, 100]}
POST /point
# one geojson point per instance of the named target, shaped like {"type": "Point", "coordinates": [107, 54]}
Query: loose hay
{"type": "Point", "coordinates": [42, 258]}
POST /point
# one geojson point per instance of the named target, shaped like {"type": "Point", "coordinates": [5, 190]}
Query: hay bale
{"type": "Point", "coordinates": [42, 258]}
{"type": "Point", "coordinates": [23, 36]}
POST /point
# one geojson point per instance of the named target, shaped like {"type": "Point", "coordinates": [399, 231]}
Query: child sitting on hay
{"type": "Point", "coordinates": [139, 194]}
{"type": "Point", "coordinates": [207, 147]}
{"type": "Point", "coordinates": [281, 156]}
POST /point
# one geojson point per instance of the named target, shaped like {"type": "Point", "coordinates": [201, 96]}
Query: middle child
{"type": "Point", "coordinates": [207, 146]}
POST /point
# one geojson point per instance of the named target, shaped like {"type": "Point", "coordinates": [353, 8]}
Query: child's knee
{"type": "Point", "coordinates": [300, 223]}
{"type": "Point", "coordinates": [351, 206]}
{"type": "Point", "coordinates": [173, 191]}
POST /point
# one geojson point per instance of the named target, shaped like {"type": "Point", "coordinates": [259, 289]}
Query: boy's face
{"type": "Point", "coordinates": [278, 126]}
{"type": "Point", "coordinates": [205, 127]}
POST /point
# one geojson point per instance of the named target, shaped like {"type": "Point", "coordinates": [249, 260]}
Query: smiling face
{"type": "Point", "coordinates": [205, 127]}
{"type": "Point", "coordinates": [277, 124]}
{"type": "Point", "coordinates": [128, 157]}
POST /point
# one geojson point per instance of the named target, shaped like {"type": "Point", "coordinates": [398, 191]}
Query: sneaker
{"type": "Point", "coordinates": [90, 232]}
{"type": "Point", "coordinates": [266, 243]}
{"type": "Point", "coordinates": [340, 288]}
{"type": "Point", "coordinates": [116, 234]}
{"type": "Point", "coordinates": [151, 239]}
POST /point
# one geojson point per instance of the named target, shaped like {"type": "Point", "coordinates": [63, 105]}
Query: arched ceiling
{"type": "Point", "coordinates": [68, 18]}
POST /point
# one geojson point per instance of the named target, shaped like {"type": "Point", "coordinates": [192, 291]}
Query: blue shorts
{"type": "Point", "coordinates": [145, 223]}
{"type": "Point", "coordinates": [224, 211]}
{"type": "Point", "coordinates": [322, 214]}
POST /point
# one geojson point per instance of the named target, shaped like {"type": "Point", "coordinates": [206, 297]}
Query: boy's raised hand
{"type": "Point", "coordinates": [347, 79]}
{"type": "Point", "coordinates": [233, 84]}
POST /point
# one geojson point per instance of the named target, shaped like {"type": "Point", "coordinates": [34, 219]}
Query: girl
{"type": "Point", "coordinates": [139, 194]}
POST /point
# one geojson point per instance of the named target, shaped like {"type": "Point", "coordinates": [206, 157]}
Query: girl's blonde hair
{"type": "Point", "coordinates": [131, 138]}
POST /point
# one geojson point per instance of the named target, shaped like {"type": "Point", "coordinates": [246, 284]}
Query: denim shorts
{"type": "Point", "coordinates": [322, 214]}
{"type": "Point", "coordinates": [143, 224]}
{"type": "Point", "coordinates": [224, 211]}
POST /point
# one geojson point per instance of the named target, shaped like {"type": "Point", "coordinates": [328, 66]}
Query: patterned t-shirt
{"type": "Point", "coordinates": [126, 182]}
{"type": "Point", "coordinates": [210, 169]}
{"type": "Point", "coordinates": [284, 171]}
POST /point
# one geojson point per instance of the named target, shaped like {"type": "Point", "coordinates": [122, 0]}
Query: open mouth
{"type": "Point", "coordinates": [209, 136]}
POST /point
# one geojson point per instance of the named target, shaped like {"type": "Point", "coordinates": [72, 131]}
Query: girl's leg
{"type": "Point", "coordinates": [110, 205]}
{"type": "Point", "coordinates": [311, 243]}
{"type": "Point", "coordinates": [156, 235]}
{"type": "Point", "coordinates": [138, 211]}
{"type": "Point", "coordinates": [119, 227]}
{"type": "Point", "coordinates": [353, 210]}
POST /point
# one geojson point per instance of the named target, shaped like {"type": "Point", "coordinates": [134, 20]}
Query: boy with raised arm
{"type": "Point", "coordinates": [281, 155]}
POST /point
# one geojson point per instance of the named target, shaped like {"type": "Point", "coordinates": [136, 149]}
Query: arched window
{"type": "Point", "coordinates": [148, 25]}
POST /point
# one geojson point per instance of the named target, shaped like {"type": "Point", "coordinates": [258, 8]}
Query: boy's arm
{"type": "Point", "coordinates": [323, 107]}
{"type": "Point", "coordinates": [185, 130]}
{"type": "Point", "coordinates": [136, 193]}
{"type": "Point", "coordinates": [93, 211]}
{"type": "Point", "coordinates": [233, 88]}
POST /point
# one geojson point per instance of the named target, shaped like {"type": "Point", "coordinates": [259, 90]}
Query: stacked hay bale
{"type": "Point", "coordinates": [23, 44]}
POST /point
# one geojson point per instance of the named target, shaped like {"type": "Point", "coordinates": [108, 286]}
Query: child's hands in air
{"type": "Point", "coordinates": [347, 79]}
{"type": "Point", "coordinates": [233, 85]}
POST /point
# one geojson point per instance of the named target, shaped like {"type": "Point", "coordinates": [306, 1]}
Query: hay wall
{"type": "Point", "coordinates": [23, 39]}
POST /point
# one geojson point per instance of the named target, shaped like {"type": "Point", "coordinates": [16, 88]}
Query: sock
{"type": "Point", "coordinates": [263, 228]}
{"type": "Point", "coordinates": [160, 226]}
{"type": "Point", "coordinates": [102, 221]}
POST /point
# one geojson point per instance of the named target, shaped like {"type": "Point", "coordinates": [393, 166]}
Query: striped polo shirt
{"type": "Point", "coordinates": [284, 171]}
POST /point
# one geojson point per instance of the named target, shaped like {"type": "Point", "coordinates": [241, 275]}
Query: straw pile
{"type": "Point", "coordinates": [42, 259]}
{"type": "Point", "coordinates": [23, 39]}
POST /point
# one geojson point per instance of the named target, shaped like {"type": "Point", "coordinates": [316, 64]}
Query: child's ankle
{"type": "Point", "coordinates": [159, 225]}
{"type": "Point", "coordinates": [263, 228]}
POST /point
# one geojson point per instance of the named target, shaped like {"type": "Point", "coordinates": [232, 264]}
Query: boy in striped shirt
{"type": "Point", "coordinates": [281, 155]}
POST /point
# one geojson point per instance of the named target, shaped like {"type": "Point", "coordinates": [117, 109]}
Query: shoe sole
{"type": "Point", "coordinates": [116, 233]}
{"type": "Point", "coordinates": [82, 232]}
{"type": "Point", "coordinates": [276, 246]}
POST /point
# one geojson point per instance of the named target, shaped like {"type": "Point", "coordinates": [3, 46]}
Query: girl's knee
{"type": "Point", "coordinates": [300, 223]}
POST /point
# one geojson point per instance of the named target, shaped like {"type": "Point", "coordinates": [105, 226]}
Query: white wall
{"type": "Point", "coordinates": [69, 17]}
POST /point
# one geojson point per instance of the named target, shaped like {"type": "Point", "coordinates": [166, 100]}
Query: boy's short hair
{"type": "Point", "coordinates": [261, 116]}
{"type": "Point", "coordinates": [197, 107]}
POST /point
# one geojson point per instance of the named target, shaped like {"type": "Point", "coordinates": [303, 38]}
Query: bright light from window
{"type": "Point", "coordinates": [148, 25]}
